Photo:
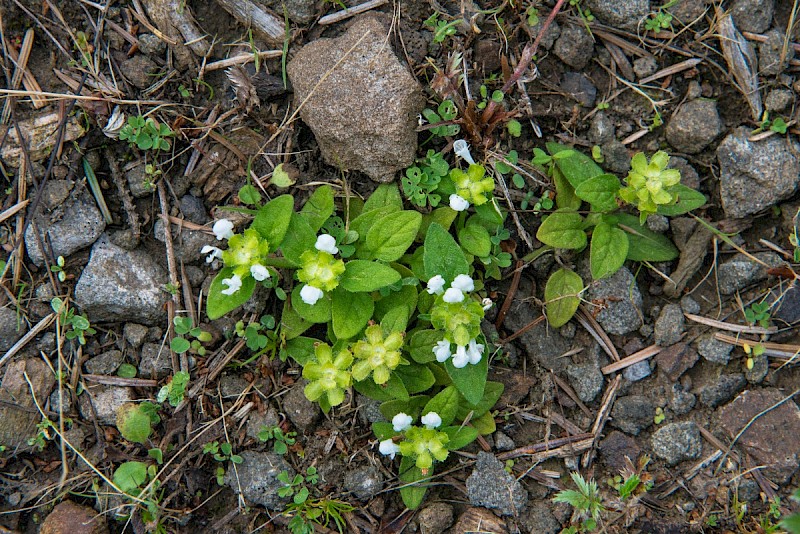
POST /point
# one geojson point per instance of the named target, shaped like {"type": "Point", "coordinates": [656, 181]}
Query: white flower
{"type": "Point", "coordinates": [464, 283]}
{"type": "Point", "coordinates": [259, 272]}
{"type": "Point", "coordinates": [389, 448]}
{"type": "Point", "coordinates": [474, 352]}
{"type": "Point", "coordinates": [401, 422]}
{"type": "Point", "coordinates": [213, 253]}
{"type": "Point", "coordinates": [310, 294]}
{"type": "Point", "coordinates": [436, 285]}
{"type": "Point", "coordinates": [326, 243]}
{"type": "Point", "coordinates": [234, 283]}
{"type": "Point", "coordinates": [223, 229]}
{"type": "Point", "coordinates": [460, 359]}
{"type": "Point", "coordinates": [458, 203]}
{"type": "Point", "coordinates": [442, 351]}
{"type": "Point", "coordinates": [487, 304]}
{"type": "Point", "coordinates": [453, 295]}
{"type": "Point", "coordinates": [431, 420]}
{"type": "Point", "coordinates": [461, 149]}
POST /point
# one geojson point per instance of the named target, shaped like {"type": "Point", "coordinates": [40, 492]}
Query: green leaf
{"type": "Point", "coordinates": [445, 403]}
{"type": "Point", "coordinates": [386, 195]}
{"type": "Point", "coordinates": [281, 178]}
{"type": "Point", "coordinates": [791, 523]}
{"type": "Point", "coordinates": [577, 167]}
{"type": "Point", "coordinates": [249, 195]}
{"type": "Point", "coordinates": [299, 237]}
{"type": "Point", "coordinates": [484, 424]}
{"type": "Point", "coordinates": [442, 255]}
{"type": "Point", "coordinates": [411, 493]}
{"type": "Point", "coordinates": [491, 394]}
{"type": "Point", "coordinates": [600, 192]}
{"type": "Point", "coordinates": [365, 276]}
{"type": "Point", "coordinates": [421, 344]}
{"type": "Point", "coordinates": [129, 476]}
{"type": "Point", "coordinates": [180, 345]}
{"type": "Point", "coordinates": [565, 193]}
{"type": "Point", "coordinates": [364, 222]}
{"type": "Point", "coordinates": [608, 250]}
{"type": "Point", "coordinates": [395, 320]}
{"type": "Point", "coordinates": [390, 239]}
{"type": "Point", "coordinates": [688, 200]}
{"type": "Point", "coordinates": [490, 212]}
{"type": "Point", "coordinates": [218, 304]}
{"type": "Point", "coordinates": [127, 370]}
{"type": "Point", "coordinates": [643, 243]}
{"type": "Point", "coordinates": [272, 221]}
{"type": "Point", "coordinates": [383, 430]}
{"type": "Point", "coordinates": [406, 297]}
{"type": "Point", "coordinates": [292, 325]}
{"type": "Point", "coordinates": [301, 349]}
{"type": "Point", "coordinates": [319, 207]}
{"type": "Point", "coordinates": [443, 216]}
{"type": "Point", "coordinates": [393, 389]}
{"type": "Point", "coordinates": [563, 229]}
{"type": "Point", "coordinates": [561, 296]}
{"type": "Point", "coordinates": [350, 312]}
{"type": "Point", "coordinates": [133, 423]}
{"type": "Point", "coordinates": [413, 407]}
{"type": "Point", "coordinates": [476, 240]}
{"type": "Point", "coordinates": [470, 380]}
{"type": "Point", "coordinates": [460, 436]}
{"type": "Point", "coordinates": [320, 312]}
{"type": "Point", "coordinates": [416, 378]}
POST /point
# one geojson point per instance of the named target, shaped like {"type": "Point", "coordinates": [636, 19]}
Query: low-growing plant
{"type": "Point", "coordinates": [132, 478]}
{"type": "Point", "coordinates": [58, 269]}
{"type": "Point", "coordinates": [135, 420]}
{"type": "Point", "coordinates": [297, 487]}
{"type": "Point", "coordinates": [317, 511]}
{"type": "Point", "coordinates": [422, 180]}
{"type": "Point", "coordinates": [441, 28]}
{"type": "Point", "coordinates": [282, 440]}
{"type": "Point", "coordinates": [186, 330]}
{"type": "Point", "coordinates": [445, 112]}
{"type": "Point", "coordinates": [77, 325]}
{"type": "Point", "coordinates": [146, 134]}
{"type": "Point", "coordinates": [175, 390]}
{"type": "Point", "coordinates": [758, 313]}
{"type": "Point", "coordinates": [221, 452]}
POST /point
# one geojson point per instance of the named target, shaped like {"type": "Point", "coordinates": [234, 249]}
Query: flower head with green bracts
{"type": "Point", "coordinates": [320, 271]}
{"type": "Point", "coordinates": [246, 255]}
{"type": "Point", "coordinates": [426, 445]}
{"type": "Point", "coordinates": [648, 184]}
{"type": "Point", "coordinates": [328, 377]}
{"type": "Point", "coordinates": [377, 355]}
{"type": "Point", "coordinates": [459, 316]}
{"type": "Point", "coordinates": [472, 186]}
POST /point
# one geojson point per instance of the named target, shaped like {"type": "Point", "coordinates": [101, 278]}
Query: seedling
{"type": "Point", "coordinates": [78, 326]}
{"type": "Point", "coordinates": [175, 390]}
{"type": "Point", "coordinates": [585, 500]}
{"type": "Point", "coordinates": [146, 134]}
{"type": "Point", "coordinates": [446, 111]}
{"type": "Point", "coordinates": [58, 268]}
{"type": "Point", "coordinates": [184, 327]}
{"type": "Point", "coordinates": [758, 312]}
{"type": "Point", "coordinates": [282, 441]}
{"type": "Point", "coordinates": [441, 28]}
{"type": "Point", "coordinates": [296, 487]}
{"type": "Point", "coordinates": [752, 352]}
{"type": "Point", "coordinates": [222, 452]}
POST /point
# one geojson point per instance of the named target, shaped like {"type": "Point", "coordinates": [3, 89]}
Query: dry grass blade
{"type": "Point", "coordinates": [593, 327]}
{"type": "Point", "coordinates": [742, 62]}
{"type": "Point", "coordinates": [636, 357]}
{"type": "Point", "coordinates": [574, 443]}
{"type": "Point", "coordinates": [742, 329]}
{"type": "Point", "coordinates": [120, 381]}
{"type": "Point", "coordinates": [244, 88]}
{"type": "Point", "coordinates": [779, 350]}
{"type": "Point", "coordinates": [10, 212]}
{"type": "Point", "coordinates": [32, 333]}
{"type": "Point", "coordinates": [241, 59]}
{"type": "Point", "coordinates": [602, 416]}
{"type": "Point", "coordinates": [350, 12]}
{"type": "Point", "coordinates": [672, 69]}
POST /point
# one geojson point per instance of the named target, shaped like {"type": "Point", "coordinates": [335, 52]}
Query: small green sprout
{"type": "Point", "coordinates": [59, 269]}
{"type": "Point", "coordinates": [282, 441]}
{"type": "Point", "coordinates": [184, 327]}
{"type": "Point", "coordinates": [146, 134]}
{"type": "Point", "coordinates": [78, 325]}
{"type": "Point", "coordinates": [175, 390]}
{"type": "Point", "coordinates": [586, 500]}
{"type": "Point", "coordinates": [758, 312]}
{"type": "Point", "coordinates": [441, 28]}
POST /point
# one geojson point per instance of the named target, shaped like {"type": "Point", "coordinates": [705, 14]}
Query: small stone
{"type": "Point", "coordinates": [658, 223]}
{"type": "Point", "coordinates": [740, 271]}
{"type": "Point", "coordinates": [72, 518]}
{"type": "Point", "coordinates": [364, 482]}
{"type": "Point", "coordinates": [694, 126]}
{"type": "Point", "coordinates": [681, 402]}
{"type": "Point", "coordinates": [689, 176]}
{"type": "Point", "coordinates": [669, 325]}
{"type": "Point", "coordinates": [689, 305]}
{"type": "Point", "coordinates": [539, 519]}
{"type": "Point", "coordinates": [187, 243]}
{"type": "Point", "coordinates": [714, 350]}
{"type": "Point", "coordinates": [105, 364]}
{"type": "Point", "coordinates": [637, 371]}
{"type": "Point", "coordinates": [364, 112]}
{"type": "Point", "coordinates": [602, 129]}
{"type": "Point", "coordinates": [155, 361]}
{"type": "Point", "coordinates": [575, 46]}
{"type": "Point", "coordinates": [138, 182]}
{"type": "Point", "coordinates": [618, 159]}
{"type": "Point", "coordinates": [778, 100]}
{"type": "Point", "coordinates": [140, 70]}
{"type": "Point", "coordinates": [194, 210]}
{"type": "Point", "coordinates": [752, 15]}
{"type": "Point", "coordinates": [579, 87]}
{"type": "Point", "coordinates": [56, 398]}
{"type": "Point", "coordinates": [586, 380]}
{"type": "Point", "coordinates": [787, 309]}
{"type": "Point", "coordinates": [645, 66]}
{"type": "Point", "coordinates": [134, 334]}
{"type": "Point", "coordinates": [256, 479]}
{"type": "Point", "coordinates": [623, 14]}
{"type": "Point", "coordinates": [491, 486]}
{"type": "Point", "coordinates": [480, 520]}
{"type": "Point", "coordinates": [18, 413]}
{"type": "Point", "coordinates": [104, 401]}
{"type": "Point", "coordinates": [435, 518]}
{"type": "Point", "coordinates": [300, 11]}
{"type": "Point", "coordinates": [150, 45]}
{"type": "Point", "coordinates": [550, 36]}
{"type": "Point", "coordinates": [687, 11]}
{"type": "Point", "coordinates": [616, 447]}
{"type": "Point", "coordinates": [369, 410]}
{"type": "Point", "coordinates": [756, 174]}
{"type": "Point", "coordinates": [675, 360]}
{"type": "Point", "coordinates": [677, 442]}
{"type": "Point", "coordinates": [503, 443]}
{"type": "Point", "coordinates": [771, 57]}
{"type": "Point", "coordinates": [232, 386]}
{"type": "Point", "coordinates": [758, 372]}
{"type": "Point", "coordinates": [543, 345]}
{"type": "Point", "coordinates": [770, 438]}
{"type": "Point", "coordinates": [12, 328]}
{"type": "Point", "coordinates": [721, 390]}
{"type": "Point", "coordinates": [632, 414]}
{"type": "Point", "coordinates": [301, 412]}
{"type": "Point", "coordinates": [256, 422]}
{"type": "Point", "coordinates": [748, 490]}
{"type": "Point", "coordinates": [622, 302]}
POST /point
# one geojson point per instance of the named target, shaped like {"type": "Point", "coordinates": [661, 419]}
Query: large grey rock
{"type": "Point", "coordinates": [722, 389]}
{"type": "Point", "coordinates": [740, 271]}
{"type": "Point", "coordinates": [12, 327]}
{"type": "Point", "coordinates": [69, 224]}
{"type": "Point", "coordinates": [693, 126]}
{"type": "Point", "coordinates": [622, 300]}
{"type": "Point", "coordinates": [752, 15]}
{"type": "Point", "coordinates": [121, 285]}
{"type": "Point", "coordinates": [677, 442]}
{"type": "Point", "coordinates": [491, 486]}
{"type": "Point", "coordinates": [256, 478]}
{"type": "Point", "coordinates": [575, 46]}
{"type": "Point", "coordinates": [756, 175]}
{"type": "Point", "coordinates": [364, 113]}
{"type": "Point", "coordinates": [625, 14]}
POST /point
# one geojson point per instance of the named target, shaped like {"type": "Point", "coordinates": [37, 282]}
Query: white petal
{"type": "Point", "coordinates": [310, 294]}
{"type": "Point", "coordinates": [401, 422]}
{"type": "Point", "coordinates": [453, 295]}
{"type": "Point", "coordinates": [259, 272]}
{"type": "Point", "coordinates": [487, 304]}
{"type": "Point", "coordinates": [213, 253]}
{"type": "Point", "coordinates": [474, 352]}
{"type": "Point", "coordinates": [458, 203]}
{"type": "Point", "coordinates": [461, 149]}
{"type": "Point", "coordinates": [234, 283]}
{"type": "Point", "coordinates": [460, 359]}
{"type": "Point", "coordinates": [223, 229]}
{"type": "Point", "coordinates": [326, 243]}
{"type": "Point", "coordinates": [442, 351]}
{"type": "Point", "coordinates": [431, 420]}
{"type": "Point", "coordinates": [436, 285]}
{"type": "Point", "coordinates": [464, 283]}
{"type": "Point", "coordinates": [388, 448]}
